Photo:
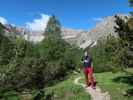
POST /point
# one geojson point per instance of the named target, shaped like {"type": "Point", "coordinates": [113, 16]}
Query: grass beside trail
{"type": "Point", "coordinates": [115, 83]}
{"type": "Point", "coordinates": [67, 90]}
{"type": "Point", "coordinates": [64, 90]}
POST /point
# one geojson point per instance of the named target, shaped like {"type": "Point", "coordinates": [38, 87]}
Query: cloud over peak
{"type": "Point", "coordinates": [98, 19]}
{"type": "Point", "coordinates": [3, 20]}
{"type": "Point", "coordinates": [38, 24]}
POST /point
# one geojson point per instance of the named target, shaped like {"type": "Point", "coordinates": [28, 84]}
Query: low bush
{"type": "Point", "coordinates": [107, 55]}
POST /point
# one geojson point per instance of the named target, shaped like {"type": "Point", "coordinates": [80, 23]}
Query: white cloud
{"type": "Point", "coordinates": [38, 24]}
{"type": "Point", "coordinates": [3, 20]}
{"type": "Point", "coordinates": [98, 19]}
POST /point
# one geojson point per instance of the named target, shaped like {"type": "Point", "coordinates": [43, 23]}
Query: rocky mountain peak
{"type": "Point", "coordinates": [78, 37]}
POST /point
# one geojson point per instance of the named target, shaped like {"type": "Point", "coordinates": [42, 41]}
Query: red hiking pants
{"type": "Point", "coordinates": [88, 71]}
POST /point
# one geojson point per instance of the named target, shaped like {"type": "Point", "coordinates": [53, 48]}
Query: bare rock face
{"type": "Point", "coordinates": [81, 38]}
{"type": "Point", "coordinates": [103, 28]}
{"type": "Point", "coordinates": [13, 31]}
{"type": "Point", "coordinates": [71, 35]}
{"type": "Point", "coordinates": [100, 31]}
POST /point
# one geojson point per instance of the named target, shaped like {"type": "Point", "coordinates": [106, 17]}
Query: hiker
{"type": "Point", "coordinates": [88, 70]}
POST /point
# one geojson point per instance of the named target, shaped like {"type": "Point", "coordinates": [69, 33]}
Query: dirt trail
{"type": "Point", "coordinates": [96, 94]}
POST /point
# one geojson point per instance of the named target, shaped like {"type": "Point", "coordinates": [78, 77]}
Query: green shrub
{"type": "Point", "coordinates": [27, 74]}
{"type": "Point", "coordinates": [6, 50]}
{"type": "Point", "coordinates": [107, 55]}
{"type": "Point", "coordinates": [29, 66]}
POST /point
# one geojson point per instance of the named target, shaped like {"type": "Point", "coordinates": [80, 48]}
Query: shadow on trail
{"type": "Point", "coordinates": [127, 80]}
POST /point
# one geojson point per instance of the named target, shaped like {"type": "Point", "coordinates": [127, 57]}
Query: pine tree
{"type": "Point", "coordinates": [1, 30]}
{"type": "Point", "coordinates": [131, 2]}
{"type": "Point", "coordinates": [53, 29]}
{"type": "Point", "coordinates": [125, 31]}
{"type": "Point", "coordinates": [6, 47]}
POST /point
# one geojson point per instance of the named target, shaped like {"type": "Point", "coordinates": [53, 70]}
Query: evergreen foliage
{"type": "Point", "coordinates": [131, 3]}
{"type": "Point", "coordinates": [125, 32]}
{"type": "Point", "coordinates": [25, 66]}
{"type": "Point", "coordinates": [53, 29]}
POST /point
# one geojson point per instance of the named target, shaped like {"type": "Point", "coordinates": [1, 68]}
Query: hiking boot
{"type": "Point", "coordinates": [88, 85]}
{"type": "Point", "coordinates": [95, 84]}
{"type": "Point", "coordinates": [93, 87]}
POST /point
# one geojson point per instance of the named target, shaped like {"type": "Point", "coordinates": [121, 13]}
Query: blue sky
{"type": "Point", "coordinates": [78, 14]}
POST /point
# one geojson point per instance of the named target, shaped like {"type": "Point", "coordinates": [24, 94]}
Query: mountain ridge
{"type": "Point", "coordinates": [78, 37]}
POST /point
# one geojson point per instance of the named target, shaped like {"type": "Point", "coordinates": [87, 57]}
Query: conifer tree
{"type": "Point", "coordinates": [125, 31]}
{"type": "Point", "coordinates": [53, 29]}
{"type": "Point", "coordinates": [6, 47]}
{"type": "Point", "coordinates": [131, 2]}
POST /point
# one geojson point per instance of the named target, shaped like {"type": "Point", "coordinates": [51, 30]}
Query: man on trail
{"type": "Point", "coordinates": [88, 70]}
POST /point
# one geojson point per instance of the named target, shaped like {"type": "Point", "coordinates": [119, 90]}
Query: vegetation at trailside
{"type": "Point", "coordinates": [25, 66]}
{"type": "Point", "coordinates": [116, 84]}
{"type": "Point", "coordinates": [104, 55]}
{"type": "Point", "coordinates": [44, 70]}
{"type": "Point", "coordinates": [67, 90]}
{"type": "Point", "coordinates": [115, 53]}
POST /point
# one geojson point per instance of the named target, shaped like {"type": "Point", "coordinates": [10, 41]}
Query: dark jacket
{"type": "Point", "coordinates": [87, 60]}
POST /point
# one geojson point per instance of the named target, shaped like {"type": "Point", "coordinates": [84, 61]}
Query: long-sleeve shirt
{"type": "Point", "coordinates": [87, 60]}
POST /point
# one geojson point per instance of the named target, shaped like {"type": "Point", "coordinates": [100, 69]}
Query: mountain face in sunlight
{"type": "Point", "coordinates": [102, 29]}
